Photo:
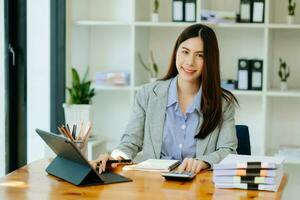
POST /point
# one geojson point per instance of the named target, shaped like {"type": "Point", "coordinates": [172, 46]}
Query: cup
{"type": "Point", "coordinates": [82, 146]}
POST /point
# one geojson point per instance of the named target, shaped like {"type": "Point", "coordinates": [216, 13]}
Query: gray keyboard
{"type": "Point", "coordinates": [177, 176]}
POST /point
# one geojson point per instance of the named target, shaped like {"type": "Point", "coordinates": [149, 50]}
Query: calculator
{"type": "Point", "coordinates": [179, 176]}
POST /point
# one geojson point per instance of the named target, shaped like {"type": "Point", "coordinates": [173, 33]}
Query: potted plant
{"type": "Point", "coordinates": [155, 11]}
{"type": "Point", "coordinates": [291, 9]}
{"type": "Point", "coordinates": [78, 108]}
{"type": "Point", "coordinates": [284, 73]}
{"type": "Point", "coordinates": [151, 68]}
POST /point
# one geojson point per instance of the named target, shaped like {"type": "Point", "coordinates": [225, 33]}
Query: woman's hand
{"type": "Point", "coordinates": [192, 165]}
{"type": "Point", "coordinates": [100, 163]}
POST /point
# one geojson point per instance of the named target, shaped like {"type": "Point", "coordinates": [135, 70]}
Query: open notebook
{"type": "Point", "coordinates": [157, 165]}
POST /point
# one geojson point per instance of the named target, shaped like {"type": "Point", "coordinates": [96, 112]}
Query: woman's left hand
{"type": "Point", "coordinates": [192, 165]}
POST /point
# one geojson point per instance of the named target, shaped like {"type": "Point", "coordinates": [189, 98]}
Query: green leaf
{"type": "Point", "coordinates": [85, 75]}
{"type": "Point", "coordinates": [75, 77]}
{"type": "Point", "coordinates": [80, 92]}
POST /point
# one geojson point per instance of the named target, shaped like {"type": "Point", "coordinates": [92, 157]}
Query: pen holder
{"type": "Point", "coordinates": [82, 146]}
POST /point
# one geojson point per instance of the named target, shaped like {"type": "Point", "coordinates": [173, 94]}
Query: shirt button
{"type": "Point", "coordinates": [183, 126]}
{"type": "Point", "coordinates": [180, 146]}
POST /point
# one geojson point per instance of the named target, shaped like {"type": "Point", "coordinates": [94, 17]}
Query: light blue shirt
{"type": "Point", "coordinates": [179, 128]}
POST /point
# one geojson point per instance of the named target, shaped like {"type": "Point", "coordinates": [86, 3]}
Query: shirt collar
{"type": "Point", "coordinates": [173, 97]}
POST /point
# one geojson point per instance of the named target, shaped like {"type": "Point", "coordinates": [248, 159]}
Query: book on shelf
{"type": "Point", "coordinates": [157, 165]}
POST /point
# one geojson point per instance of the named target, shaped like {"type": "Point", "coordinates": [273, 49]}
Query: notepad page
{"type": "Point", "coordinates": [153, 165]}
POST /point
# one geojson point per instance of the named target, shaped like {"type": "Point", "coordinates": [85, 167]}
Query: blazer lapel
{"type": "Point", "coordinates": [157, 114]}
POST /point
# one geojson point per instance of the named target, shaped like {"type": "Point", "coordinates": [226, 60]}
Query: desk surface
{"type": "Point", "coordinates": [32, 182]}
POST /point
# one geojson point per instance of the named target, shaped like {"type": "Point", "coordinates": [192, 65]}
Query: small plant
{"type": "Point", "coordinates": [284, 71]}
{"type": "Point", "coordinates": [156, 6]}
{"type": "Point", "coordinates": [291, 7]}
{"type": "Point", "coordinates": [80, 92]}
{"type": "Point", "coordinates": [152, 68]}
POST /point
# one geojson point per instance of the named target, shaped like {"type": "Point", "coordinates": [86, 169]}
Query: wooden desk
{"type": "Point", "coordinates": [32, 182]}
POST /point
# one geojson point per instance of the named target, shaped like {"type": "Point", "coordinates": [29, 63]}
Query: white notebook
{"type": "Point", "coordinates": [157, 165]}
{"type": "Point", "coordinates": [246, 186]}
{"type": "Point", "coordinates": [248, 179]}
{"type": "Point", "coordinates": [233, 161]}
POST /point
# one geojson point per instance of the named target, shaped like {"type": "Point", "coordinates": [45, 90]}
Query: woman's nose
{"type": "Point", "coordinates": [190, 60]}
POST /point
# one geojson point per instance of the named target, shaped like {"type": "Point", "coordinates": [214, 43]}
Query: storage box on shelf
{"type": "Point", "coordinates": [108, 35]}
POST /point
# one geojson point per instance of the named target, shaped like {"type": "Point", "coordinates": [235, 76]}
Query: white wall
{"type": "Point", "coordinates": [38, 75]}
{"type": "Point", "coordinates": [2, 92]}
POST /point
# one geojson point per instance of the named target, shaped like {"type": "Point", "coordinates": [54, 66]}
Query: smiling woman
{"type": "Point", "coordinates": [186, 116]}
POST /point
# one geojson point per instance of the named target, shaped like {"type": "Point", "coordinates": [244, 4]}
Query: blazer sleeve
{"type": "Point", "coordinates": [227, 139]}
{"type": "Point", "coordinates": [132, 140]}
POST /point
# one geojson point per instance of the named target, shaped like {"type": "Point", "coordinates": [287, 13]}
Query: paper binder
{"type": "Point", "coordinates": [70, 165]}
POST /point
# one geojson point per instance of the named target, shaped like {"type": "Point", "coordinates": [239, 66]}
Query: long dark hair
{"type": "Point", "coordinates": [212, 93]}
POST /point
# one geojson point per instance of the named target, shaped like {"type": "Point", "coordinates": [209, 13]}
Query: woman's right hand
{"type": "Point", "coordinates": [100, 163]}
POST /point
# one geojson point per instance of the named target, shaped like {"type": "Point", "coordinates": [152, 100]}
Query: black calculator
{"type": "Point", "coordinates": [178, 176]}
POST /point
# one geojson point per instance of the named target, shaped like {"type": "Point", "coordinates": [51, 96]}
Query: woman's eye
{"type": "Point", "coordinates": [185, 52]}
{"type": "Point", "coordinates": [200, 55]}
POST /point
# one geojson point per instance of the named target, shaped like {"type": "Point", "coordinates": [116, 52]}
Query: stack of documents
{"type": "Point", "coordinates": [248, 172]}
{"type": "Point", "coordinates": [157, 165]}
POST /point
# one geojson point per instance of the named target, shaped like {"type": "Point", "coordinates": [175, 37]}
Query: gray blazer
{"type": "Point", "coordinates": [145, 128]}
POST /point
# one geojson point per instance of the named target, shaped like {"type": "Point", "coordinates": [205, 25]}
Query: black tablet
{"type": "Point", "coordinates": [71, 165]}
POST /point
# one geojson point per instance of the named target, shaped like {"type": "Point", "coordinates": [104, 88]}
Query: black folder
{"type": "Point", "coordinates": [256, 74]}
{"type": "Point", "coordinates": [70, 165]}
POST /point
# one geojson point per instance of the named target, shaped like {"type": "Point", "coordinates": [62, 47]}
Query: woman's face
{"type": "Point", "coordinates": [189, 59]}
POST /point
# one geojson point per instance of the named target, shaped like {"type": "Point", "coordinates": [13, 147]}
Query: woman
{"type": "Point", "coordinates": [185, 116]}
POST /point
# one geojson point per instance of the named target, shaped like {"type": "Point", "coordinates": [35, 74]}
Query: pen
{"type": "Point", "coordinates": [74, 131]}
{"type": "Point", "coordinates": [116, 161]}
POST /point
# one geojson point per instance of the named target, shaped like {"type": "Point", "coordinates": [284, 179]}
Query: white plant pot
{"type": "Point", "coordinates": [154, 17]}
{"type": "Point", "coordinates": [77, 113]}
{"type": "Point", "coordinates": [283, 85]}
{"type": "Point", "coordinates": [290, 19]}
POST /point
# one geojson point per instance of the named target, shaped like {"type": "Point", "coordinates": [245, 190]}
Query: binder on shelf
{"type": "Point", "coordinates": [245, 11]}
{"type": "Point", "coordinates": [258, 11]}
{"type": "Point", "coordinates": [256, 75]}
{"type": "Point", "coordinates": [243, 74]}
{"type": "Point", "coordinates": [190, 10]}
{"type": "Point", "coordinates": [178, 10]}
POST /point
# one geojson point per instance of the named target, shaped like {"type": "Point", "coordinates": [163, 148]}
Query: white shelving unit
{"type": "Point", "coordinates": [107, 35]}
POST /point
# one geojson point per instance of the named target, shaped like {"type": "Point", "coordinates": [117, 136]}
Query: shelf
{"type": "Point", "coordinates": [184, 24]}
{"type": "Point", "coordinates": [100, 23]}
{"type": "Point", "coordinates": [284, 26]}
{"type": "Point", "coordinates": [235, 25]}
{"type": "Point", "coordinates": [246, 93]}
{"type": "Point", "coordinates": [162, 24]}
{"type": "Point", "coordinates": [279, 93]}
{"type": "Point", "coordinates": [112, 88]}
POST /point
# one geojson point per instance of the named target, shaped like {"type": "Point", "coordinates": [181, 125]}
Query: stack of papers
{"type": "Point", "coordinates": [156, 165]}
{"type": "Point", "coordinates": [248, 172]}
